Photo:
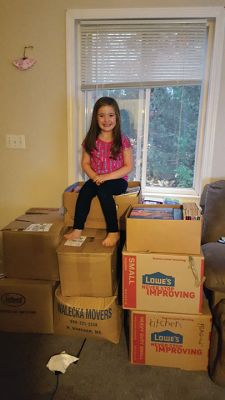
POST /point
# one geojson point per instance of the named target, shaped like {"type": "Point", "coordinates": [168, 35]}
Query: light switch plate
{"type": "Point", "coordinates": [15, 142]}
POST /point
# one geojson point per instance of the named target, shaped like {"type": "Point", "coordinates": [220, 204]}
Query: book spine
{"type": "Point", "coordinates": [191, 212]}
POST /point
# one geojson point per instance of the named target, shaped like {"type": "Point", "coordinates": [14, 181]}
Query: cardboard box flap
{"type": "Point", "coordinates": [98, 303]}
{"type": "Point", "coordinates": [92, 244]}
{"type": "Point", "coordinates": [6, 282]}
{"type": "Point", "coordinates": [17, 225]}
{"type": "Point", "coordinates": [44, 210]}
{"type": "Point", "coordinates": [41, 217]}
{"type": "Point", "coordinates": [34, 224]}
{"type": "Point", "coordinates": [94, 233]}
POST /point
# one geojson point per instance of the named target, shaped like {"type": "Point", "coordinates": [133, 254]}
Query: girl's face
{"type": "Point", "coordinates": [106, 118]}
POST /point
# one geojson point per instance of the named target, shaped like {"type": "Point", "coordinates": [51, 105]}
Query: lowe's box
{"type": "Point", "coordinates": [170, 340]}
{"type": "Point", "coordinates": [93, 317]}
{"type": "Point", "coordinates": [163, 282]}
{"type": "Point", "coordinates": [163, 230]}
{"type": "Point", "coordinates": [26, 305]}
{"type": "Point", "coordinates": [29, 245]}
{"type": "Point", "coordinates": [95, 217]}
{"type": "Point", "coordinates": [86, 267]}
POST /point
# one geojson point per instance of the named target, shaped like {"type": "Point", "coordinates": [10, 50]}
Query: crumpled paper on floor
{"type": "Point", "coordinates": [60, 362]}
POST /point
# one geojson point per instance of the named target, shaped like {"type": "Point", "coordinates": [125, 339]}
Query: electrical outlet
{"type": "Point", "coordinates": [15, 142]}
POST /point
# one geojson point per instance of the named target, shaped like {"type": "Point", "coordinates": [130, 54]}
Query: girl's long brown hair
{"type": "Point", "coordinates": [94, 130]}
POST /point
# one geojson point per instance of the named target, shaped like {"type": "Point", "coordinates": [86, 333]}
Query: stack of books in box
{"type": "Point", "coordinates": [163, 273]}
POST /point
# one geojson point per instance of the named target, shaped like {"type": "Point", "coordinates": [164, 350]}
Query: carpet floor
{"type": "Point", "coordinates": [102, 372]}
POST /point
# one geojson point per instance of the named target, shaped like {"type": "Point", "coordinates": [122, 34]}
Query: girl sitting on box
{"type": "Point", "coordinates": [107, 160]}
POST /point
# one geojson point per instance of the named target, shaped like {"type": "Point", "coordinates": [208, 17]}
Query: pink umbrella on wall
{"type": "Point", "coordinates": [24, 63]}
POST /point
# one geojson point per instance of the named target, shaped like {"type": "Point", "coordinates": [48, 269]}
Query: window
{"type": "Point", "coordinates": [162, 124]}
{"type": "Point", "coordinates": [158, 71]}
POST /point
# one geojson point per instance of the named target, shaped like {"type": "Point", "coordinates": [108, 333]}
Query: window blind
{"type": "Point", "coordinates": [142, 53]}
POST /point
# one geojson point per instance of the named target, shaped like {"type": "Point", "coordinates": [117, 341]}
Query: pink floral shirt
{"type": "Point", "coordinates": [101, 162]}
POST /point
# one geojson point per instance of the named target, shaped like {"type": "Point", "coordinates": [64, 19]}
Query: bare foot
{"type": "Point", "coordinates": [111, 239]}
{"type": "Point", "coordinates": [75, 234]}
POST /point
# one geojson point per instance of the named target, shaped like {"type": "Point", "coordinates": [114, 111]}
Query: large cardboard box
{"type": "Point", "coordinates": [162, 236]}
{"type": "Point", "coordinates": [26, 305]}
{"type": "Point", "coordinates": [95, 217]}
{"type": "Point", "coordinates": [163, 282]}
{"type": "Point", "coordinates": [30, 242]}
{"type": "Point", "coordinates": [170, 340]}
{"type": "Point", "coordinates": [90, 269]}
{"type": "Point", "coordinates": [96, 317]}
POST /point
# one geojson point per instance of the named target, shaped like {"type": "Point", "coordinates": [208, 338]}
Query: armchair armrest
{"type": "Point", "coordinates": [214, 255]}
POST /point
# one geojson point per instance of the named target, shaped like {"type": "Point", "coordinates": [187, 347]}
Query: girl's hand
{"type": "Point", "coordinates": [99, 179]}
{"type": "Point", "coordinates": [94, 179]}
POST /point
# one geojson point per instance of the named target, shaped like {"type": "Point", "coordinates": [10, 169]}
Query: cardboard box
{"type": "Point", "coordinates": [95, 217]}
{"type": "Point", "coordinates": [162, 236]}
{"type": "Point", "coordinates": [96, 317]}
{"type": "Point", "coordinates": [163, 282]}
{"type": "Point", "coordinates": [170, 340]}
{"type": "Point", "coordinates": [26, 305]}
{"type": "Point", "coordinates": [29, 245]}
{"type": "Point", "coordinates": [49, 212]}
{"type": "Point", "coordinates": [88, 270]}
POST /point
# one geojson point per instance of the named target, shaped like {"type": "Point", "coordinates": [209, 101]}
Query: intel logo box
{"type": "Point", "coordinates": [170, 340]}
{"type": "Point", "coordinates": [163, 282]}
{"type": "Point", "coordinates": [26, 305]}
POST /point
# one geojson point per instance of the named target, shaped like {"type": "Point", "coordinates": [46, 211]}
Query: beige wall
{"type": "Point", "coordinates": [33, 102]}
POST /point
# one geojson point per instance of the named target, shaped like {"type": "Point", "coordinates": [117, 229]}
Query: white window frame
{"type": "Point", "coordinates": [74, 96]}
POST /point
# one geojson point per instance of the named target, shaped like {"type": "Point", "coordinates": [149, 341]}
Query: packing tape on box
{"type": "Point", "coordinates": [198, 281]}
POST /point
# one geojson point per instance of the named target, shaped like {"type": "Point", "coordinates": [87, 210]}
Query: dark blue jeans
{"type": "Point", "coordinates": [105, 193]}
